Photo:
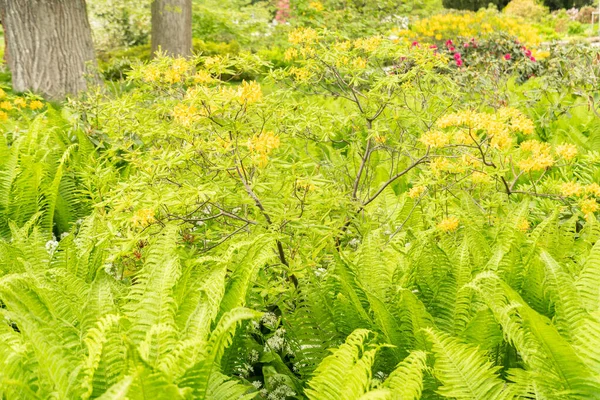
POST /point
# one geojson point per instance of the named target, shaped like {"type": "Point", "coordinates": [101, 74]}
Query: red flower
{"type": "Point", "coordinates": [433, 46]}
{"type": "Point", "coordinates": [449, 43]}
{"type": "Point", "coordinates": [457, 56]}
{"type": "Point", "coordinates": [528, 53]}
{"type": "Point", "coordinates": [507, 57]}
{"type": "Point", "coordinates": [459, 62]}
{"type": "Point", "coordinates": [451, 49]}
{"type": "Point", "coordinates": [415, 43]}
{"type": "Point", "coordinates": [532, 58]}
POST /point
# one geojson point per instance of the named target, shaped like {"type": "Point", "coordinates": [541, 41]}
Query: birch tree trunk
{"type": "Point", "coordinates": [172, 27]}
{"type": "Point", "coordinates": [50, 46]}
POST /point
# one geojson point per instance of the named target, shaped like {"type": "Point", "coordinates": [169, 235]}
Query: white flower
{"type": "Point", "coordinates": [51, 246]}
{"type": "Point", "coordinates": [257, 384]}
{"type": "Point", "coordinates": [64, 235]}
{"type": "Point", "coordinates": [270, 320]}
{"type": "Point", "coordinates": [354, 242]}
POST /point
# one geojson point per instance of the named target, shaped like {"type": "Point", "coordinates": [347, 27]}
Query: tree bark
{"type": "Point", "coordinates": [172, 27]}
{"type": "Point", "coordinates": [6, 53]}
{"type": "Point", "coordinates": [50, 46]}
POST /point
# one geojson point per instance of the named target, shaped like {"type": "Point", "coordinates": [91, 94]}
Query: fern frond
{"type": "Point", "coordinates": [464, 372]}
{"type": "Point", "coordinates": [406, 381]}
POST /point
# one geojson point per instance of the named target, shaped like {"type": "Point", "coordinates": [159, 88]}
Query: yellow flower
{"type": "Point", "coordinates": [571, 189]}
{"type": "Point", "coordinates": [342, 46]}
{"type": "Point", "coordinates": [449, 224]}
{"type": "Point", "coordinates": [203, 77]}
{"type": "Point", "coordinates": [36, 105]}
{"type": "Point", "coordinates": [262, 145]}
{"type": "Point", "coordinates": [302, 75]}
{"type": "Point", "coordinates": [480, 177]}
{"type": "Point", "coordinates": [501, 140]}
{"type": "Point", "coordinates": [566, 151]}
{"type": "Point", "coordinates": [3, 116]}
{"type": "Point", "coordinates": [435, 139]}
{"type": "Point", "coordinates": [540, 54]}
{"type": "Point", "coordinates": [6, 105]}
{"type": "Point", "coordinates": [246, 93]}
{"type": "Point", "coordinates": [303, 36]}
{"type": "Point", "coordinates": [588, 206]}
{"type": "Point", "coordinates": [359, 63]}
{"type": "Point", "coordinates": [290, 54]}
{"type": "Point", "coordinates": [20, 102]}
{"type": "Point", "coordinates": [380, 139]}
{"type": "Point", "coordinates": [593, 188]}
{"type": "Point", "coordinates": [369, 44]}
{"type": "Point", "coordinates": [416, 191]}
{"type": "Point", "coordinates": [316, 5]}
{"type": "Point", "coordinates": [185, 115]}
{"type": "Point", "coordinates": [151, 73]}
{"type": "Point", "coordinates": [523, 225]}
{"type": "Point", "coordinates": [540, 157]}
{"type": "Point", "coordinates": [439, 165]}
{"type": "Point", "coordinates": [143, 217]}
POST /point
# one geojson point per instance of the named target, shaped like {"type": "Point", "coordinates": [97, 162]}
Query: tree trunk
{"type": "Point", "coordinates": [50, 46]}
{"type": "Point", "coordinates": [6, 53]}
{"type": "Point", "coordinates": [172, 27]}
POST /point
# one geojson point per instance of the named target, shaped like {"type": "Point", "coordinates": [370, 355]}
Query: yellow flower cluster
{"type": "Point", "coordinates": [540, 54]}
{"type": "Point", "coordinates": [568, 189]}
{"type": "Point", "coordinates": [36, 105]}
{"type": "Point", "coordinates": [301, 75]}
{"type": "Point", "coordinates": [593, 189]}
{"type": "Point", "coordinates": [262, 145]}
{"type": "Point", "coordinates": [143, 217]}
{"type": "Point", "coordinates": [359, 63]}
{"type": "Point", "coordinates": [449, 224]}
{"type": "Point", "coordinates": [480, 177]}
{"type": "Point", "coordinates": [566, 151]}
{"type": "Point", "coordinates": [588, 206]}
{"type": "Point", "coordinates": [203, 78]}
{"type": "Point", "coordinates": [470, 24]}
{"type": "Point", "coordinates": [20, 102]}
{"type": "Point", "coordinates": [175, 73]}
{"type": "Point", "coordinates": [435, 139]}
{"type": "Point", "coordinates": [185, 115]}
{"type": "Point", "coordinates": [539, 156]}
{"type": "Point", "coordinates": [498, 126]}
{"type": "Point", "coordinates": [416, 191]}
{"type": "Point", "coordinates": [246, 93]}
{"type": "Point", "coordinates": [290, 54]}
{"type": "Point", "coordinates": [3, 116]}
{"type": "Point", "coordinates": [523, 225]}
{"type": "Point", "coordinates": [368, 44]}
{"type": "Point", "coordinates": [6, 105]}
{"type": "Point", "coordinates": [303, 36]}
{"type": "Point", "coordinates": [316, 5]}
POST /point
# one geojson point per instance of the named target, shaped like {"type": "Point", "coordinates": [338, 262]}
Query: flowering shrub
{"type": "Point", "coordinates": [467, 25]}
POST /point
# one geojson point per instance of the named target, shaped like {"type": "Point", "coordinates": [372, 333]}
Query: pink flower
{"type": "Point", "coordinates": [451, 49]}
{"type": "Point", "coordinates": [433, 46]}
{"type": "Point", "coordinates": [449, 43]}
{"type": "Point", "coordinates": [507, 57]}
{"type": "Point", "coordinates": [528, 53]}
{"type": "Point", "coordinates": [415, 43]}
{"type": "Point", "coordinates": [459, 62]}
{"type": "Point", "coordinates": [457, 56]}
{"type": "Point", "coordinates": [532, 58]}
{"type": "Point", "coordinates": [466, 45]}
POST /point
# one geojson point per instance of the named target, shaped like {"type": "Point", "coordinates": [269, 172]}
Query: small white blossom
{"type": "Point", "coordinates": [257, 384]}
{"type": "Point", "coordinates": [270, 320]}
{"type": "Point", "coordinates": [51, 246]}
{"type": "Point", "coordinates": [64, 235]}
